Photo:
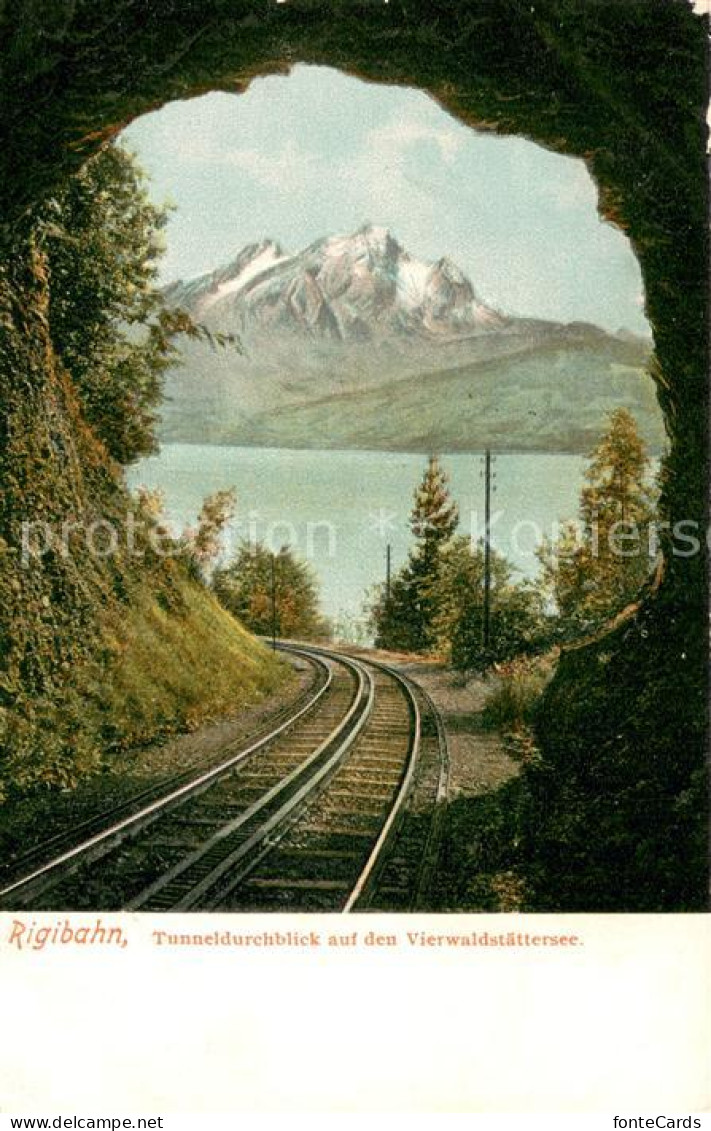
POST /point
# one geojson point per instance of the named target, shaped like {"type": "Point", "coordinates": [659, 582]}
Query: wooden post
{"type": "Point", "coordinates": [274, 608]}
{"type": "Point", "coordinates": [487, 549]}
{"type": "Point", "coordinates": [388, 570]}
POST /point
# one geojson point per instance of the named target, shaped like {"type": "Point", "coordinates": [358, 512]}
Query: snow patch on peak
{"type": "Point", "coordinates": [375, 233]}
{"type": "Point", "coordinates": [450, 271]}
{"type": "Point", "coordinates": [260, 258]}
{"type": "Point", "coordinates": [412, 277]}
{"type": "Point", "coordinates": [369, 236]}
{"type": "Point", "coordinates": [356, 287]}
{"type": "Point", "coordinates": [334, 247]}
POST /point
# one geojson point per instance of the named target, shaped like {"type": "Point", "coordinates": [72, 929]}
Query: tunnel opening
{"type": "Point", "coordinates": [400, 284]}
{"type": "Point", "coordinates": [627, 709]}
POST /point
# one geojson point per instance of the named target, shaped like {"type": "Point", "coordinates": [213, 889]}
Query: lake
{"type": "Point", "coordinates": [340, 509]}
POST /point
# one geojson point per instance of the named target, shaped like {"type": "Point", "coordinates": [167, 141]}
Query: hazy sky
{"type": "Point", "coordinates": [318, 153]}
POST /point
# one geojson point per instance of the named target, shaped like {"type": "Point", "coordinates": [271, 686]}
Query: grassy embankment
{"type": "Point", "coordinates": [171, 673]}
{"type": "Point", "coordinates": [164, 669]}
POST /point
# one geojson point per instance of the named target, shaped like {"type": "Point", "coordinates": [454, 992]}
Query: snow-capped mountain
{"type": "Point", "coordinates": [337, 340]}
{"type": "Point", "coordinates": [343, 288]}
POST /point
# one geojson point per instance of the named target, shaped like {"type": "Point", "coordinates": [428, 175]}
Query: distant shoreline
{"type": "Point", "coordinates": [653, 452]}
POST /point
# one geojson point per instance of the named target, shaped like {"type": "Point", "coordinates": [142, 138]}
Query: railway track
{"type": "Point", "coordinates": [53, 861]}
{"type": "Point", "coordinates": [336, 809]}
{"type": "Point", "coordinates": [78, 832]}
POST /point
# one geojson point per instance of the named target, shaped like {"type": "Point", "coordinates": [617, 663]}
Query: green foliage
{"type": "Point", "coordinates": [166, 666]}
{"type": "Point", "coordinates": [394, 617]}
{"type": "Point", "coordinates": [203, 543]}
{"type": "Point", "coordinates": [599, 87]}
{"type": "Point", "coordinates": [517, 625]}
{"type": "Point", "coordinates": [103, 239]}
{"type": "Point", "coordinates": [209, 667]}
{"type": "Point", "coordinates": [434, 517]}
{"type": "Point", "coordinates": [92, 325]}
{"type": "Point", "coordinates": [405, 618]}
{"type": "Point", "coordinates": [598, 566]}
{"type": "Point", "coordinates": [621, 823]}
{"type": "Point", "coordinates": [267, 591]}
{"type": "Point", "coordinates": [436, 601]}
{"type": "Point", "coordinates": [517, 689]}
{"type": "Point", "coordinates": [433, 521]}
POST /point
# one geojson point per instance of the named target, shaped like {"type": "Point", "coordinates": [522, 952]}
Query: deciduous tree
{"type": "Point", "coordinates": [599, 564]}
{"type": "Point", "coordinates": [256, 577]}
{"type": "Point", "coordinates": [104, 238]}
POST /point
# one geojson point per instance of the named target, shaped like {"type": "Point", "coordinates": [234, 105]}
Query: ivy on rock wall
{"type": "Point", "coordinates": [91, 601]}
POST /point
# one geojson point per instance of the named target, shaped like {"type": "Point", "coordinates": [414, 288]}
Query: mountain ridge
{"type": "Point", "coordinates": [363, 280]}
{"type": "Point", "coordinates": [353, 315]}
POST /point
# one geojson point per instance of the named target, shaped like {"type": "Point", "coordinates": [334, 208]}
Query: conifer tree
{"type": "Point", "coordinates": [435, 515]}
{"type": "Point", "coordinates": [433, 521]}
{"type": "Point", "coordinates": [407, 620]}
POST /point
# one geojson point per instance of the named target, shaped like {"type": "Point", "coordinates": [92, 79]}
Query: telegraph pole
{"type": "Point", "coordinates": [272, 562]}
{"type": "Point", "coordinates": [487, 548]}
{"type": "Point", "coordinates": [388, 571]}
